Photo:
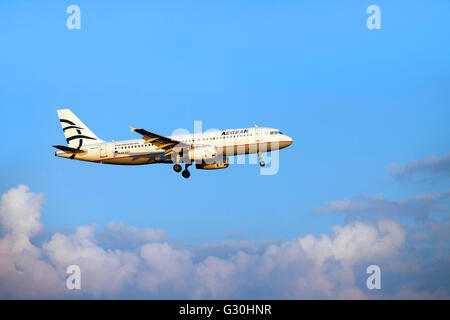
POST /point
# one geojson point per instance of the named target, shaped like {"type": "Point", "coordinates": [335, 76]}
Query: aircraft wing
{"type": "Point", "coordinates": [161, 142]}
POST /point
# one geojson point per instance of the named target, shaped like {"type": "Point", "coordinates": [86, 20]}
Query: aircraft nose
{"type": "Point", "coordinates": [289, 140]}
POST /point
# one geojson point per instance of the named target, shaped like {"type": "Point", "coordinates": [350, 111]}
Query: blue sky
{"type": "Point", "coordinates": [354, 100]}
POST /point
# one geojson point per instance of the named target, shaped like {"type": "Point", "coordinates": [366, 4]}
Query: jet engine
{"type": "Point", "coordinates": [219, 163]}
{"type": "Point", "coordinates": [202, 153]}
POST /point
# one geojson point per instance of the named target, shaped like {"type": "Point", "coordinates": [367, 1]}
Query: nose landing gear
{"type": "Point", "coordinates": [261, 162]}
{"type": "Point", "coordinates": [177, 168]}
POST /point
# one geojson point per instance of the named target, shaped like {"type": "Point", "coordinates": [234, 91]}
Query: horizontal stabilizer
{"type": "Point", "coordinates": [69, 149]}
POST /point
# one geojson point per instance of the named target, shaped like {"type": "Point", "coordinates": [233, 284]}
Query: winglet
{"type": "Point", "coordinates": [132, 129]}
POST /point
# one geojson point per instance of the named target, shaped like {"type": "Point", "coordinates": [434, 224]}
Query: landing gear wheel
{"type": "Point", "coordinates": [262, 163]}
{"type": "Point", "coordinates": [186, 174]}
{"type": "Point", "coordinates": [177, 168]}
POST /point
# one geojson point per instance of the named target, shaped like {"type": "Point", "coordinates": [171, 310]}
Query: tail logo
{"type": "Point", "coordinates": [79, 135]}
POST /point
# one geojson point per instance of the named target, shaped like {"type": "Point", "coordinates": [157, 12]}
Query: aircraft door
{"type": "Point", "coordinates": [258, 135]}
{"type": "Point", "coordinates": [103, 151]}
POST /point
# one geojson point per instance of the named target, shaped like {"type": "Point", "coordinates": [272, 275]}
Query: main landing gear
{"type": "Point", "coordinates": [186, 174]}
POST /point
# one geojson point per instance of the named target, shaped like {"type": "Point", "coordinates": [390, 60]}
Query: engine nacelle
{"type": "Point", "coordinates": [220, 163]}
{"type": "Point", "coordinates": [202, 153]}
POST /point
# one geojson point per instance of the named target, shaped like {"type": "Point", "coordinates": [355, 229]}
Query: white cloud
{"type": "Point", "coordinates": [324, 266]}
{"type": "Point", "coordinates": [431, 167]}
{"type": "Point", "coordinates": [331, 265]}
{"type": "Point", "coordinates": [164, 268]}
{"type": "Point", "coordinates": [420, 206]}
{"type": "Point", "coordinates": [21, 266]}
{"type": "Point", "coordinates": [20, 211]}
{"type": "Point", "coordinates": [105, 272]}
{"type": "Point", "coordinates": [118, 235]}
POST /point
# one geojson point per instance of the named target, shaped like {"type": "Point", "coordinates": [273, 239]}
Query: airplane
{"type": "Point", "coordinates": [208, 150]}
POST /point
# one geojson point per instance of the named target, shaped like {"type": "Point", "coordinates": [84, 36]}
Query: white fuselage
{"type": "Point", "coordinates": [228, 142]}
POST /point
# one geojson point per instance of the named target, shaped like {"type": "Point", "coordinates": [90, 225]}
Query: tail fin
{"type": "Point", "coordinates": [75, 131]}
